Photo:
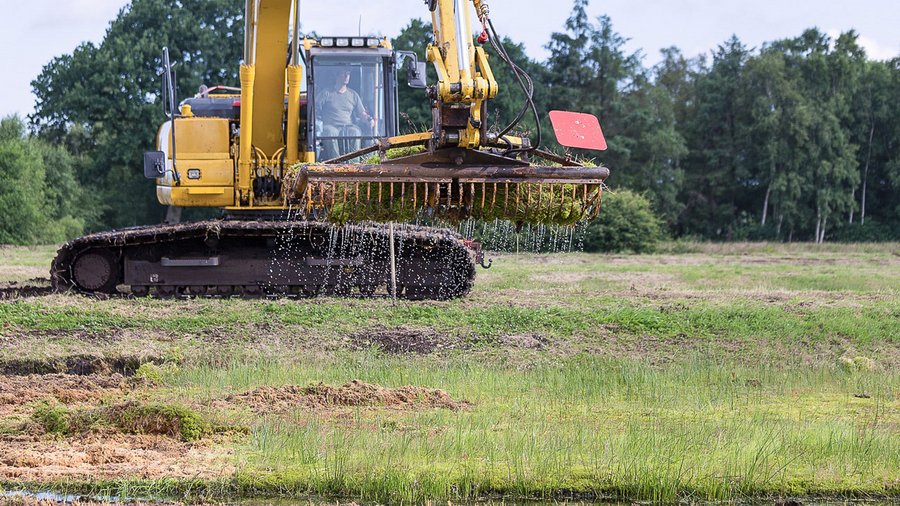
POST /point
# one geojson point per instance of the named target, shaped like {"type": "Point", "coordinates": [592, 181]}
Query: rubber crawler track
{"type": "Point", "coordinates": [345, 260]}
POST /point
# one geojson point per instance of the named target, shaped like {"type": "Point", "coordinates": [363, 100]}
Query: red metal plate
{"type": "Point", "coordinates": [578, 130]}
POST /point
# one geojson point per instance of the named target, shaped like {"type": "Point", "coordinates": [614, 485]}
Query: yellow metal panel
{"type": "Point", "coordinates": [212, 172]}
{"type": "Point", "coordinates": [206, 191]}
{"type": "Point", "coordinates": [188, 197]}
{"type": "Point", "coordinates": [268, 95]}
{"type": "Point", "coordinates": [202, 138]}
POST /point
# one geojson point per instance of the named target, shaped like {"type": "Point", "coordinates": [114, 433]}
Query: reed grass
{"type": "Point", "coordinates": [581, 427]}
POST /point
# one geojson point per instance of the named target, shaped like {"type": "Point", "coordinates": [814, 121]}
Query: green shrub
{"type": "Point", "coordinates": [872, 231]}
{"type": "Point", "coordinates": [627, 223]}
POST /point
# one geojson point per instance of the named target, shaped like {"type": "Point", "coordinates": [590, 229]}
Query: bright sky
{"type": "Point", "coordinates": [34, 31]}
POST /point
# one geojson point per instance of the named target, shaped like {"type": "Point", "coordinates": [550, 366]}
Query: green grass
{"type": "Point", "coordinates": [584, 426]}
{"type": "Point", "coordinates": [706, 371]}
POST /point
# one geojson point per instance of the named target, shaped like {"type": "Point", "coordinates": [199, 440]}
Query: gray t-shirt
{"type": "Point", "coordinates": [336, 108]}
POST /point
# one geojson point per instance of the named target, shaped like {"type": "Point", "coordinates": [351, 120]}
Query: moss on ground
{"type": "Point", "coordinates": [131, 418]}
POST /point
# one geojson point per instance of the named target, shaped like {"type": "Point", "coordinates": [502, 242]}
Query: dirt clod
{"type": "Point", "coordinates": [354, 393]}
{"type": "Point", "coordinates": [402, 340]}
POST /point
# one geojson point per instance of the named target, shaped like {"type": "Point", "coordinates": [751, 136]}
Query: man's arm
{"type": "Point", "coordinates": [360, 111]}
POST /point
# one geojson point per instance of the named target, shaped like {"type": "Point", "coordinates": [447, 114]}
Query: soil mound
{"type": "Point", "coordinates": [18, 391]}
{"type": "Point", "coordinates": [402, 340]}
{"type": "Point", "coordinates": [354, 393]}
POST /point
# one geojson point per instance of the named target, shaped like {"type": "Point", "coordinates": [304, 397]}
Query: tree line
{"type": "Point", "coordinates": [794, 140]}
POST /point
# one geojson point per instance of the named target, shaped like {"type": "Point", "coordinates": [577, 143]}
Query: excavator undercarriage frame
{"type": "Point", "coordinates": [255, 259]}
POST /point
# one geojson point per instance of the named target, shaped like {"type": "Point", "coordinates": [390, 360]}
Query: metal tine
{"type": "Point", "coordinates": [425, 198]}
{"type": "Point", "coordinates": [540, 199]}
{"type": "Point", "coordinates": [345, 195]}
{"type": "Point", "coordinates": [402, 194]}
{"type": "Point", "coordinates": [550, 203]}
{"type": "Point", "coordinates": [415, 192]}
{"type": "Point", "coordinates": [598, 201]}
{"type": "Point", "coordinates": [562, 199]}
{"type": "Point", "coordinates": [321, 203]}
{"type": "Point", "coordinates": [483, 194]}
{"type": "Point", "coordinates": [505, 196]}
{"type": "Point", "coordinates": [528, 201]}
{"type": "Point", "coordinates": [357, 194]}
{"type": "Point", "coordinates": [518, 195]}
{"type": "Point", "coordinates": [333, 193]}
{"type": "Point", "coordinates": [494, 197]}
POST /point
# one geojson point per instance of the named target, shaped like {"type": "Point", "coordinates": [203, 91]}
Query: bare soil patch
{"type": "Point", "coordinates": [355, 393]}
{"type": "Point", "coordinates": [29, 458]}
{"type": "Point", "coordinates": [78, 365]}
{"type": "Point", "coordinates": [403, 340]}
{"type": "Point", "coordinates": [36, 287]}
{"type": "Point", "coordinates": [525, 341]}
{"type": "Point", "coordinates": [17, 392]}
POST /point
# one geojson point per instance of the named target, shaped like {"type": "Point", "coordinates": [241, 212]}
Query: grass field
{"type": "Point", "coordinates": [704, 372]}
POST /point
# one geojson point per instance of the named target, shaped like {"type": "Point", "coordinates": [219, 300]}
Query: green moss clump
{"type": "Point", "coordinates": [856, 364]}
{"type": "Point", "coordinates": [155, 374]}
{"type": "Point", "coordinates": [131, 418]}
{"type": "Point", "coordinates": [170, 420]}
{"type": "Point", "coordinates": [53, 418]}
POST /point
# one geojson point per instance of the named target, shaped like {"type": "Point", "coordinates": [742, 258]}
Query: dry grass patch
{"type": "Point", "coordinates": [99, 456]}
{"type": "Point", "coordinates": [18, 392]}
{"type": "Point", "coordinates": [353, 394]}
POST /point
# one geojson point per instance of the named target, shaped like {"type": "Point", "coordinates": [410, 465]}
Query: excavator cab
{"type": "Point", "coordinates": [352, 87]}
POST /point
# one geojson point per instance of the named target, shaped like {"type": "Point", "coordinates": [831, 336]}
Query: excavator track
{"type": "Point", "coordinates": [256, 259]}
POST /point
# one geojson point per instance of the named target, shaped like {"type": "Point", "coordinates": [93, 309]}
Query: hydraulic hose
{"type": "Point", "coordinates": [527, 85]}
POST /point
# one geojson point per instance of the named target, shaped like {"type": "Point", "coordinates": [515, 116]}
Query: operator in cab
{"type": "Point", "coordinates": [337, 107]}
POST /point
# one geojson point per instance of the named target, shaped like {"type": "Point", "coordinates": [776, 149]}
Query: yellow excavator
{"type": "Point", "coordinates": [317, 186]}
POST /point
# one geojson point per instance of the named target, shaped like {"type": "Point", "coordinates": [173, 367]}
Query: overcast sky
{"type": "Point", "coordinates": [34, 31]}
